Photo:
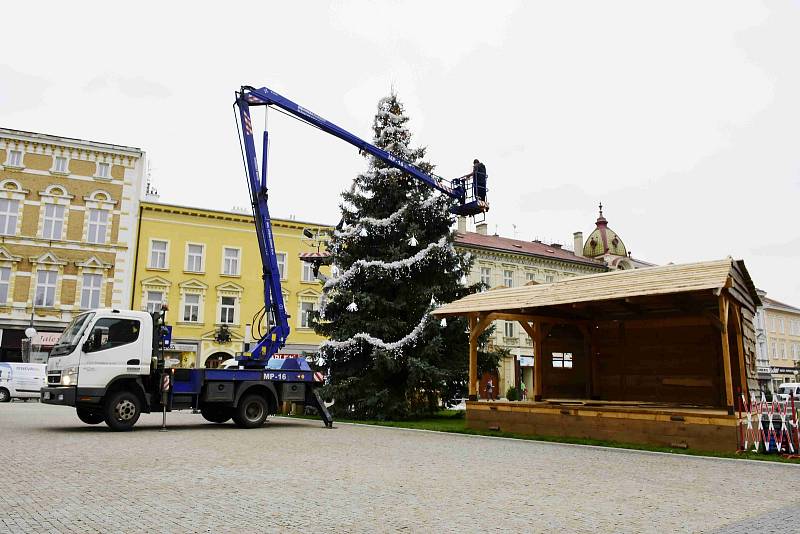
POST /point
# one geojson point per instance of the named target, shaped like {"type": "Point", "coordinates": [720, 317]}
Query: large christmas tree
{"type": "Point", "coordinates": [395, 261]}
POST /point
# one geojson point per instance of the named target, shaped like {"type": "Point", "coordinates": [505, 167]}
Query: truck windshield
{"type": "Point", "coordinates": [71, 334]}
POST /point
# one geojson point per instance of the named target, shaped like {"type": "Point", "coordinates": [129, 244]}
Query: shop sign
{"type": "Point", "coordinates": [181, 347]}
{"type": "Point", "coordinates": [784, 370]}
{"type": "Point", "coordinates": [525, 361]}
{"type": "Point", "coordinates": [46, 339]}
{"type": "Point", "coordinates": [286, 356]}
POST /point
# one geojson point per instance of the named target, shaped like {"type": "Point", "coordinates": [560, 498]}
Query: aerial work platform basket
{"type": "Point", "coordinates": [474, 199]}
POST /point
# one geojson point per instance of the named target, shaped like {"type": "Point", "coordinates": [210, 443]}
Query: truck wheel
{"type": "Point", "coordinates": [251, 411]}
{"type": "Point", "coordinates": [90, 417]}
{"type": "Point", "coordinates": [5, 396]}
{"type": "Point", "coordinates": [122, 410]}
{"type": "Point", "coordinates": [216, 414]}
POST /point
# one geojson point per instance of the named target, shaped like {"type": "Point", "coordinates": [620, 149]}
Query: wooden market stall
{"type": "Point", "coordinates": [657, 355]}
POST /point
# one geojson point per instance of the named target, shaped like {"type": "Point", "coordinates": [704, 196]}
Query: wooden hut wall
{"type": "Point", "coordinates": [658, 363]}
{"type": "Point", "coordinates": [565, 382]}
{"type": "Point", "coordinates": [749, 341]}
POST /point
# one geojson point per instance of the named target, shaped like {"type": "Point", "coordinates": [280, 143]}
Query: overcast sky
{"type": "Point", "coordinates": [683, 118]}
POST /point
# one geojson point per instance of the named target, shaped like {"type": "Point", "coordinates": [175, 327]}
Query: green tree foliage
{"type": "Point", "coordinates": [395, 262]}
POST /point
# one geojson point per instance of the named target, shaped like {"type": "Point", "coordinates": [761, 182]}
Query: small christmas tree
{"type": "Point", "coordinates": [395, 261]}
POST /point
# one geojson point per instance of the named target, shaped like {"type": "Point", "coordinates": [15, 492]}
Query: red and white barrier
{"type": "Point", "coordinates": [768, 426]}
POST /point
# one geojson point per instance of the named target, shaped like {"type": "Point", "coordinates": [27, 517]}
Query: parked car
{"type": "Point", "coordinates": [21, 380]}
{"type": "Point", "coordinates": [788, 390]}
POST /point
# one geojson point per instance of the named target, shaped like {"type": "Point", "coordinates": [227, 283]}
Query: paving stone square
{"type": "Point", "coordinates": [59, 475]}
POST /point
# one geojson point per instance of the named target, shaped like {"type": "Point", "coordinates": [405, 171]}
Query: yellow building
{"type": "Point", "coordinates": [206, 265]}
{"type": "Point", "coordinates": [67, 227]}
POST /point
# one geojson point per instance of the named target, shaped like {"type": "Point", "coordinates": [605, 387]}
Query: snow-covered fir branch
{"type": "Point", "coordinates": [389, 266]}
{"type": "Point", "coordinates": [377, 342]}
{"type": "Point", "coordinates": [386, 222]}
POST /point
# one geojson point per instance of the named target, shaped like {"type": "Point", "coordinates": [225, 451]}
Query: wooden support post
{"type": "Point", "coordinates": [587, 351]}
{"type": "Point", "coordinates": [623, 343]}
{"type": "Point", "coordinates": [472, 320]}
{"type": "Point", "coordinates": [737, 325]}
{"type": "Point", "coordinates": [538, 361]}
{"type": "Point", "coordinates": [726, 353]}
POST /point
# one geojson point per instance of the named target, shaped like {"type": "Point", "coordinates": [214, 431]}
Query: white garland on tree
{"type": "Point", "coordinates": [388, 221]}
{"type": "Point", "coordinates": [389, 266]}
{"type": "Point", "coordinates": [377, 342]}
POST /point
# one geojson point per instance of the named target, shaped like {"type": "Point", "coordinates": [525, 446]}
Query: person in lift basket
{"type": "Point", "coordinates": [479, 179]}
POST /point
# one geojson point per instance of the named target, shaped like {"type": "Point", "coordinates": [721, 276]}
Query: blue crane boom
{"type": "Point", "coordinates": [461, 189]}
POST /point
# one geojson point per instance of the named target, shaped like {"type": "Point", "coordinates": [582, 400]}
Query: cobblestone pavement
{"type": "Point", "coordinates": [59, 475]}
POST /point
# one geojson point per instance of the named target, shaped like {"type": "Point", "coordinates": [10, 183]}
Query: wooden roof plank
{"type": "Point", "coordinates": [651, 281]}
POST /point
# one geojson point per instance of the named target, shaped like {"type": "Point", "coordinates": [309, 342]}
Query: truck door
{"type": "Point", "coordinates": [112, 349]}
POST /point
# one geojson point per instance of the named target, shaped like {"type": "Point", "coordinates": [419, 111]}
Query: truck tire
{"type": "Point", "coordinates": [216, 414]}
{"type": "Point", "coordinates": [121, 411]}
{"type": "Point", "coordinates": [90, 417]}
{"type": "Point", "coordinates": [5, 395]}
{"type": "Point", "coordinates": [251, 412]}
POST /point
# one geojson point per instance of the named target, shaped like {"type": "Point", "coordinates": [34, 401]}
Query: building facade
{"type": "Point", "coordinates": [67, 227]}
{"type": "Point", "coordinates": [777, 343]}
{"type": "Point", "coordinates": [505, 262]}
{"type": "Point", "coordinates": [206, 266]}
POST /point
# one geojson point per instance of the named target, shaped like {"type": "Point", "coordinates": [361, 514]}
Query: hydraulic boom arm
{"type": "Point", "coordinates": [460, 189]}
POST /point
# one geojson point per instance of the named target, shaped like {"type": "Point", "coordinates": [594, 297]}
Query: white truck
{"type": "Point", "coordinates": [21, 380]}
{"type": "Point", "coordinates": [109, 365]}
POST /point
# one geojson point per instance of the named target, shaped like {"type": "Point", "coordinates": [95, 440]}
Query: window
{"type": "Point", "coordinates": [508, 278]}
{"type": "Point", "coordinates": [562, 360]}
{"type": "Point", "coordinates": [549, 278]}
{"type": "Point", "coordinates": [227, 308]}
{"type": "Point", "coordinates": [774, 349]}
{"type": "Point", "coordinates": [772, 324]}
{"type": "Point", "coordinates": [5, 275]}
{"type": "Point", "coordinates": [796, 355]}
{"type": "Point", "coordinates": [783, 350]}
{"type": "Point", "coordinates": [308, 272]}
{"type": "Point", "coordinates": [90, 292]}
{"type": "Point", "coordinates": [154, 300]}
{"type": "Point", "coordinates": [781, 326]}
{"type": "Point", "coordinates": [281, 257]}
{"type": "Point", "coordinates": [230, 261]}
{"type": "Point", "coordinates": [14, 158]}
{"type": "Point", "coordinates": [60, 164]}
{"type": "Point", "coordinates": [46, 288]}
{"type": "Point", "coordinates": [158, 254]}
{"type": "Point", "coordinates": [486, 276]}
{"type": "Point", "coordinates": [9, 209]}
{"type": "Point", "coordinates": [103, 170]}
{"type": "Point", "coordinates": [191, 308]}
{"type": "Point", "coordinates": [109, 333]}
{"type": "Point", "coordinates": [530, 277]}
{"type": "Point", "coordinates": [306, 309]}
{"type": "Point", "coordinates": [53, 221]}
{"type": "Point", "coordinates": [98, 224]}
{"type": "Point", "coordinates": [509, 329]}
{"type": "Point", "coordinates": [194, 258]}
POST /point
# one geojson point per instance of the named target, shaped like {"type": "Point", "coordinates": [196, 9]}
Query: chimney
{"type": "Point", "coordinates": [578, 237]}
{"type": "Point", "coordinates": [482, 228]}
{"type": "Point", "coordinates": [462, 225]}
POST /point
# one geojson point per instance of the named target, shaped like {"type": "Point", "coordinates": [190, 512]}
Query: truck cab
{"type": "Point", "coordinates": [99, 351]}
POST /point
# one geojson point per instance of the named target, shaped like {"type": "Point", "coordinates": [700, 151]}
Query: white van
{"type": "Point", "coordinates": [787, 390]}
{"type": "Point", "coordinates": [21, 380]}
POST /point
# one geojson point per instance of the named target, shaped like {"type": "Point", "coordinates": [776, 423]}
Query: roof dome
{"type": "Point", "coordinates": [603, 240]}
